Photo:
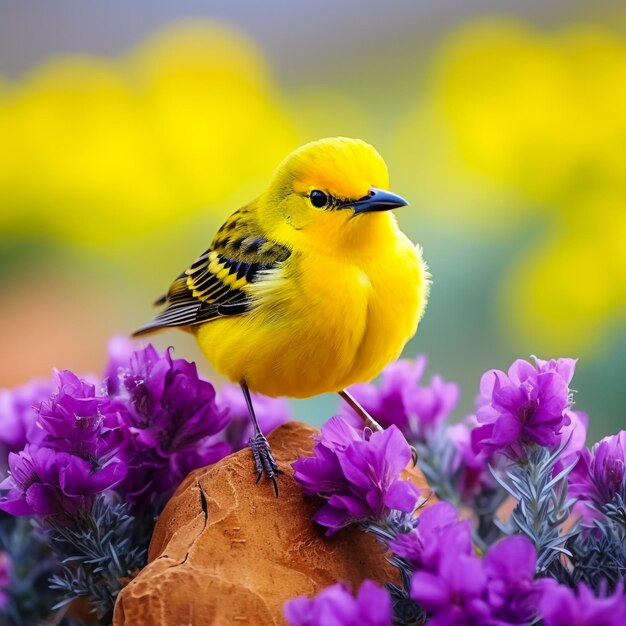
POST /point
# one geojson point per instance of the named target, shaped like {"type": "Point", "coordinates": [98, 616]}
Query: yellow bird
{"type": "Point", "coordinates": [308, 289]}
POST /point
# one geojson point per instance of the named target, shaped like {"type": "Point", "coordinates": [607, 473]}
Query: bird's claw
{"type": "Point", "coordinates": [263, 460]}
{"type": "Point", "coordinates": [414, 456]}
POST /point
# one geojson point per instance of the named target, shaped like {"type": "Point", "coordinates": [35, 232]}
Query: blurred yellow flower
{"type": "Point", "coordinates": [545, 112]}
{"type": "Point", "coordinates": [97, 150]}
{"type": "Point", "coordinates": [517, 122]}
{"type": "Point", "coordinates": [571, 290]}
{"type": "Point", "coordinates": [525, 112]}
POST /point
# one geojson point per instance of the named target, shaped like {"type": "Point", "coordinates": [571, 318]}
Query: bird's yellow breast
{"type": "Point", "coordinates": [323, 321]}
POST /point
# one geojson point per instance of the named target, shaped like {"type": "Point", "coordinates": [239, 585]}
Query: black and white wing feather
{"type": "Point", "coordinates": [215, 284]}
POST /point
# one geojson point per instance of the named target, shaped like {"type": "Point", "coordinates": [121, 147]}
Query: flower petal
{"type": "Point", "coordinates": [402, 495]}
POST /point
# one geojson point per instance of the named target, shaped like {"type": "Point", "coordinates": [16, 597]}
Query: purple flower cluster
{"type": "Point", "coordinates": [437, 526]}
{"type": "Point", "coordinates": [5, 578]}
{"type": "Point", "coordinates": [336, 606]}
{"type": "Point", "coordinates": [168, 416]}
{"type": "Point", "coordinates": [357, 472]}
{"type": "Point", "coordinates": [562, 606]}
{"type": "Point", "coordinates": [402, 401]}
{"type": "Point", "coordinates": [154, 421]}
{"type": "Point", "coordinates": [71, 455]}
{"type": "Point", "coordinates": [524, 416]}
{"type": "Point", "coordinates": [528, 405]}
{"type": "Point", "coordinates": [457, 587]}
{"type": "Point", "coordinates": [600, 473]}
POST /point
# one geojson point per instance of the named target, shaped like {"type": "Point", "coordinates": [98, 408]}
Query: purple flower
{"type": "Point", "coordinates": [5, 578]}
{"type": "Point", "coordinates": [18, 415]}
{"type": "Point", "coordinates": [77, 420]}
{"type": "Point", "coordinates": [171, 406]}
{"type": "Point", "coordinates": [456, 595]}
{"type": "Point", "coordinates": [400, 400]}
{"type": "Point", "coordinates": [335, 606]}
{"type": "Point", "coordinates": [573, 437]}
{"type": "Point", "coordinates": [512, 592]}
{"type": "Point", "coordinates": [71, 454]}
{"type": "Point", "coordinates": [562, 606]}
{"type": "Point", "coordinates": [358, 473]}
{"type": "Point", "coordinates": [600, 474]}
{"type": "Point", "coordinates": [438, 530]}
{"type": "Point", "coordinates": [527, 406]}
{"type": "Point", "coordinates": [47, 482]}
{"type": "Point", "coordinates": [498, 590]}
{"type": "Point", "coordinates": [168, 417]}
{"type": "Point", "coordinates": [270, 412]}
{"type": "Point", "coordinates": [472, 466]}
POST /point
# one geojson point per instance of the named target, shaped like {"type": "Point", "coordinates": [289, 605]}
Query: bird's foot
{"type": "Point", "coordinates": [263, 459]}
{"type": "Point", "coordinates": [414, 456]}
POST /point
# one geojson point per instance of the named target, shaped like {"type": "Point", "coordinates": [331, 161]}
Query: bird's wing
{"type": "Point", "coordinates": [214, 285]}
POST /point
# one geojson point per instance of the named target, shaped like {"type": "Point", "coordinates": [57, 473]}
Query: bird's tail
{"type": "Point", "coordinates": [155, 326]}
{"type": "Point", "coordinates": [148, 329]}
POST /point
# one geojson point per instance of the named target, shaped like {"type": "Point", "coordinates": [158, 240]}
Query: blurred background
{"type": "Point", "coordinates": [129, 131]}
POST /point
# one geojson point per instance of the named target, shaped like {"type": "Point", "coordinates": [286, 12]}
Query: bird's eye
{"type": "Point", "coordinates": [318, 198]}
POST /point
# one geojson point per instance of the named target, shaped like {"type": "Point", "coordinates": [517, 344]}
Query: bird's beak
{"type": "Point", "coordinates": [376, 200]}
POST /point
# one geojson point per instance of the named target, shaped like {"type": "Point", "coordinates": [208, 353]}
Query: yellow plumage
{"type": "Point", "coordinates": [310, 288]}
{"type": "Point", "coordinates": [326, 319]}
{"type": "Point", "coordinates": [338, 294]}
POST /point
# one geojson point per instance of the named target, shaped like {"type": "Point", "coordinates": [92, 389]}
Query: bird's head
{"type": "Point", "coordinates": [330, 193]}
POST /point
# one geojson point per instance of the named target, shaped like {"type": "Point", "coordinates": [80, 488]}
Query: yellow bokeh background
{"type": "Point", "coordinates": [508, 138]}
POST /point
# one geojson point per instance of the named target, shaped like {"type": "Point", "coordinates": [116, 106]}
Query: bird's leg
{"type": "Point", "coordinates": [263, 459]}
{"type": "Point", "coordinates": [370, 422]}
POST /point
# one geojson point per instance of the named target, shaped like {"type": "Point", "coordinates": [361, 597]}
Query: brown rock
{"type": "Point", "coordinates": [226, 551]}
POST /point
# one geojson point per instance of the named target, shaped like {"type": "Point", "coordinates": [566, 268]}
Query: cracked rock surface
{"type": "Point", "coordinates": [226, 551]}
